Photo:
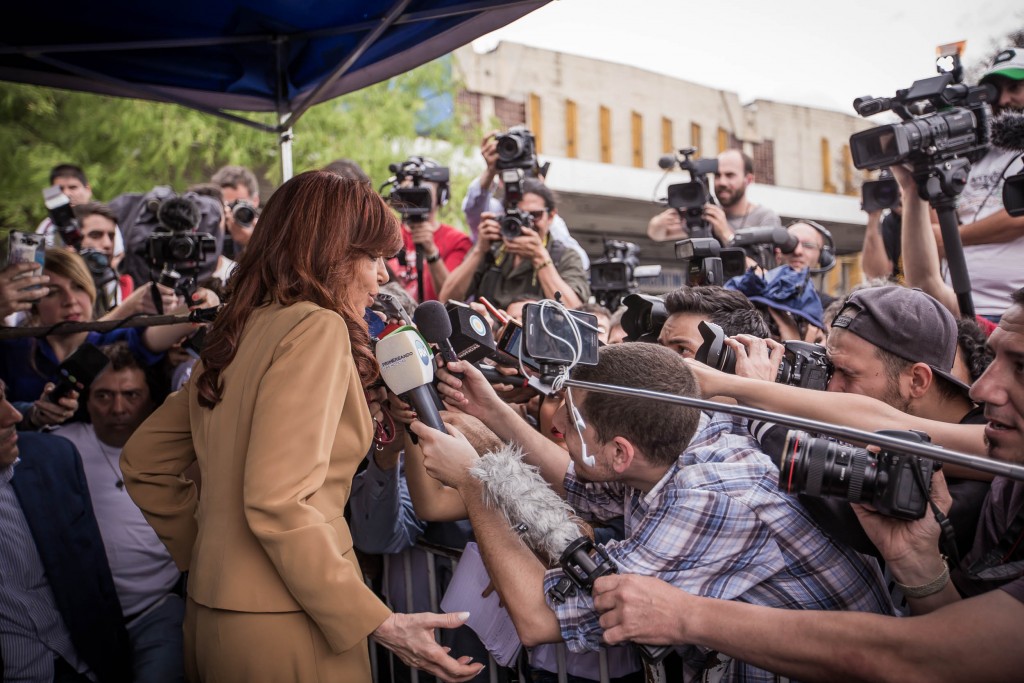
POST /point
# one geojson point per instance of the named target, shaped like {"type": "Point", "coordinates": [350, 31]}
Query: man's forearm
{"type": "Point", "coordinates": [873, 259]}
{"type": "Point", "coordinates": [515, 571]}
{"type": "Point", "coordinates": [971, 640]}
{"type": "Point", "coordinates": [539, 451]}
{"type": "Point", "coordinates": [998, 227]}
{"type": "Point", "coordinates": [457, 282]}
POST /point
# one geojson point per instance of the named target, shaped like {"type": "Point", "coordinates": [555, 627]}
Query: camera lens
{"type": "Point", "coordinates": [244, 215]}
{"type": "Point", "coordinates": [510, 147]}
{"type": "Point", "coordinates": [511, 227]}
{"type": "Point", "coordinates": [181, 248]}
{"type": "Point", "coordinates": [823, 468]}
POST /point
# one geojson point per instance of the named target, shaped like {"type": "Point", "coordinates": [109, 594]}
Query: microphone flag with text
{"type": "Point", "coordinates": [406, 366]}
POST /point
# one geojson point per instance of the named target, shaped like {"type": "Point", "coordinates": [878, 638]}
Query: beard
{"type": "Point", "coordinates": [733, 198]}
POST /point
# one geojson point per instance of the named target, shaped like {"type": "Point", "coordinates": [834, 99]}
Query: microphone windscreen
{"type": "Point", "coordinates": [431, 318]}
{"type": "Point", "coordinates": [532, 508]}
{"type": "Point", "coordinates": [178, 214]}
{"type": "Point", "coordinates": [667, 161]}
{"type": "Point", "coordinates": [1008, 131]}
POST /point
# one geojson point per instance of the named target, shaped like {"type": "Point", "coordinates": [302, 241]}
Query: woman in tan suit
{"type": "Point", "coordinates": [276, 417]}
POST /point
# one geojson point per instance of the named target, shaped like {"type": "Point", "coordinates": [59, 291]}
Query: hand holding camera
{"type": "Point", "coordinates": [489, 231]}
{"type": "Point", "coordinates": [756, 358]}
{"type": "Point", "coordinates": [527, 245]}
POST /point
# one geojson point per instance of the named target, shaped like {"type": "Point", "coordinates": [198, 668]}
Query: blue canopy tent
{"type": "Point", "coordinates": [221, 56]}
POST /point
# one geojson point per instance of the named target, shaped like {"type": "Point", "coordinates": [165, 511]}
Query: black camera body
{"type": "Point", "coordinates": [516, 149]}
{"type": "Point", "coordinates": [803, 365]}
{"type": "Point", "coordinates": [880, 194]}
{"type": "Point", "coordinates": [709, 263]}
{"type": "Point", "coordinates": [944, 129]}
{"type": "Point", "coordinates": [893, 483]}
{"type": "Point", "coordinates": [644, 317]}
{"type": "Point", "coordinates": [690, 198]}
{"type": "Point", "coordinates": [513, 221]}
{"type": "Point", "coordinates": [178, 248]}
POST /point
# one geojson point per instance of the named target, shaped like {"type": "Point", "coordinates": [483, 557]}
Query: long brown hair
{"type": "Point", "coordinates": [309, 235]}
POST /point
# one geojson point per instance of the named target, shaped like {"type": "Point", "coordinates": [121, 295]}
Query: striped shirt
{"type": "Point", "coordinates": [717, 525]}
{"type": "Point", "coordinates": [32, 632]}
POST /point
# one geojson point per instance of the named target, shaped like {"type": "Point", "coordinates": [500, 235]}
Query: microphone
{"type": "Point", "coordinates": [178, 214]}
{"type": "Point", "coordinates": [777, 235]}
{"type": "Point", "coordinates": [545, 523]}
{"type": "Point", "coordinates": [667, 161]}
{"type": "Point", "coordinates": [406, 365]}
{"type": "Point", "coordinates": [432, 320]}
{"type": "Point", "coordinates": [1008, 131]}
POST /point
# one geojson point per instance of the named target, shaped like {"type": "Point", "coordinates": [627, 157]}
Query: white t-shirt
{"type": "Point", "coordinates": [142, 568]}
{"type": "Point", "coordinates": [996, 270]}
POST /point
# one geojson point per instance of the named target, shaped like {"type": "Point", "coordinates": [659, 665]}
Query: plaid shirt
{"type": "Point", "coordinates": [717, 525]}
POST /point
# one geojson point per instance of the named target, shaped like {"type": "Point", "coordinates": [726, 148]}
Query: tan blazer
{"type": "Point", "coordinates": [276, 456]}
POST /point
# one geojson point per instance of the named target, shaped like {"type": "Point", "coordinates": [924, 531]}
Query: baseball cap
{"type": "Point", "coordinates": [905, 322]}
{"type": "Point", "coordinates": [1009, 63]}
{"type": "Point", "coordinates": [783, 289]}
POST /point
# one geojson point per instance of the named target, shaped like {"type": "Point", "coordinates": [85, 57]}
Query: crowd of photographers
{"type": "Point", "coordinates": [754, 552]}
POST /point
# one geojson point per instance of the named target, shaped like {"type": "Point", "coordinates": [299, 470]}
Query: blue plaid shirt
{"type": "Point", "coordinates": [717, 525]}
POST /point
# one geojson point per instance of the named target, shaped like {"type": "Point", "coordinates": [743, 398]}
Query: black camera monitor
{"type": "Point", "coordinates": [550, 337]}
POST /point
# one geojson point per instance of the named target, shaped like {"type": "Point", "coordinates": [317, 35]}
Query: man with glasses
{"type": "Point", "coordinates": [808, 249]}
{"type": "Point", "coordinates": [503, 268]}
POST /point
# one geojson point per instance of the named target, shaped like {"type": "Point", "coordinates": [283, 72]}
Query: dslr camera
{"type": "Point", "coordinates": [517, 160]}
{"type": "Point", "coordinates": [243, 212]}
{"type": "Point", "coordinates": [803, 365]}
{"type": "Point", "coordinates": [944, 129]}
{"type": "Point", "coordinates": [893, 483]}
{"type": "Point", "coordinates": [707, 262]}
{"type": "Point", "coordinates": [690, 198]}
{"type": "Point", "coordinates": [58, 206]}
{"type": "Point", "coordinates": [408, 194]}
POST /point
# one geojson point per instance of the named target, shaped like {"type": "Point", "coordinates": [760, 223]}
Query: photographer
{"type": "Point", "coordinates": [503, 267]}
{"type": "Point", "coordinates": [735, 174]}
{"type": "Point", "coordinates": [880, 253]}
{"type": "Point", "coordinates": [688, 306]}
{"type": "Point", "coordinates": [442, 246]}
{"type": "Point", "coordinates": [954, 639]}
{"type": "Point", "coordinates": [241, 194]}
{"type": "Point", "coordinates": [98, 224]}
{"type": "Point", "coordinates": [479, 199]}
{"type": "Point", "coordinates": [701, 504]}
{"type": "Point", "coordinates": [993, 240]}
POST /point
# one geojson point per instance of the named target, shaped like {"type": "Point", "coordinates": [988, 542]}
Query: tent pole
{"type": "Point", "coordinates": [285, 143]}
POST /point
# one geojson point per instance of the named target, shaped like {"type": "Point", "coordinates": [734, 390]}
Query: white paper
{"type": "Point", "coordinates": [487, 618]}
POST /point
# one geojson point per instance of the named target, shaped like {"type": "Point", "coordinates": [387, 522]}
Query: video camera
{"type": "Point", "coordinates": [617, 272]}
{"type": "Point", "coordinates": [690, 198]}
{"type": "Point", "coordinates": [944, 129]}
{"type": "Point", "coordinates": [709, 263]}
{"type": "Point", "coordinates": [880, 194]}
{"type": "Point", "coordinates": [58, 206]}
{"type": "Point", "coordinates": [517, 160]}
{"type": "Point", "coordinates": [178, 248]}
{"type": "Point", "coordinates": [803, 365]}
{"type": "Point", "coordinates": [408, 195]}
{"type": "Point", "coordinates": [893, 483]}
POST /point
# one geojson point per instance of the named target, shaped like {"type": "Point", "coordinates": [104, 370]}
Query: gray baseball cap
{"type": "Point", "coordinates": [907, 323]}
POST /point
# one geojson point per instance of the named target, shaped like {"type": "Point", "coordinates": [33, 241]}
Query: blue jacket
{"type": "Point", "coordinates": [50, 485]}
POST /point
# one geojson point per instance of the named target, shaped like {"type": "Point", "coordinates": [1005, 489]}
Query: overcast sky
{"type": "Point", "coordinates": [820, 54]}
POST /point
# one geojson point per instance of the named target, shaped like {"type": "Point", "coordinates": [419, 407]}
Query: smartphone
{"type": "Point", "coordinates": [550, 335]}
{"type": "Point", "coordinates": [509, 344]}
{"type": "Point", "coordinates": [25, 247]}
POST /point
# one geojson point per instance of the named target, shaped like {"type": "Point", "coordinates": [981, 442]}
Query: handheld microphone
{"type": "Point", "coordinates": [432, 320]}
{"type": "Point", "coordinates": [776, 235]}
{"type": "Point", "coordinates": [545, 523]}
{"type": "Point", "coordinates": [406, 365]}
{"type": "Point", "coordinates": [1008, 131]}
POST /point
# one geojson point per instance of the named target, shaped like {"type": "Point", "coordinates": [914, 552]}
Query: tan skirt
{"type": "Point", "coordinates": [223, 646]}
